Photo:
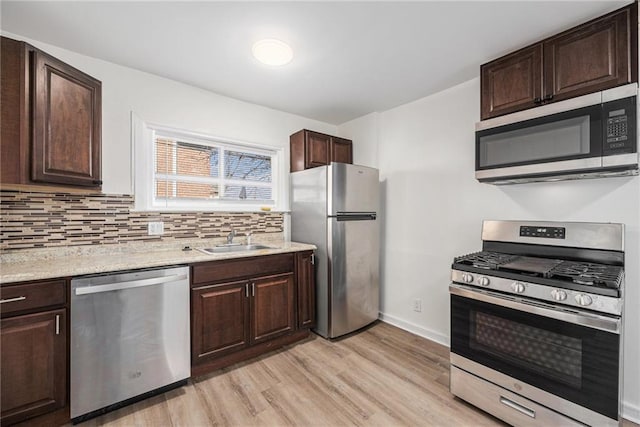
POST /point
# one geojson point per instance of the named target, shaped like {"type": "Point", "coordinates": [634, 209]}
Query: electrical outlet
{"type": "Point", "coordinates": [155, 228]}
{"type": "Point", "coordinates": [417, 305]}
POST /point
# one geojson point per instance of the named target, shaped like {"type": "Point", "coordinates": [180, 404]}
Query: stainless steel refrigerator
{"type": "Point", "coordinates": [336, 208]}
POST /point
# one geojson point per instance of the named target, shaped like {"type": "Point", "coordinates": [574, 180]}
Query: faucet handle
{"type": "Point", "coordinates": [248, 235]}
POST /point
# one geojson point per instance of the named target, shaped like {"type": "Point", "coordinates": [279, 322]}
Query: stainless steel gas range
{"type": "Point", "coordinates": [536, 323]}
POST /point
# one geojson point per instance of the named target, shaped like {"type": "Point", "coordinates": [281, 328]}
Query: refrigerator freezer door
{"type": "Point", "coordinates": [354, 271]}
{"type": "Point", "coordinates": [352, 188]}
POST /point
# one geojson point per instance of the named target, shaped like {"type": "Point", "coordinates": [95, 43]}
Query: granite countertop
{"type": "Point", "coordinates": [67, 262]}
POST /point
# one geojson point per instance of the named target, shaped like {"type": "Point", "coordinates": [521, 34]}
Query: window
{"type": "Point", "coordinates": [199, 172]}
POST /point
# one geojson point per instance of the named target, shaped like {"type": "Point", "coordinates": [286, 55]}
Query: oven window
{"type": "Point", "coordinates": [558, 139]}
{"type": "Point", "coordinates": [539, 350]}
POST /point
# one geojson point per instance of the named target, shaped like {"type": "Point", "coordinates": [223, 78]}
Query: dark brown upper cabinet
{"type": "Point", "coordinates": [597, 55]}
{"type": "Point", "coordinates": [310, 149]}
{"type": "Point", "coordinates": [51, 121]}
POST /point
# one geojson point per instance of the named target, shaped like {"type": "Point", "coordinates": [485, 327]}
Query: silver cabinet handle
{"type": "Point", "coordinates": [57, 324]}
{"type": "Point", "coordinates": [313, 259]}
{"type": "Point", "coordinates": [2, 301]}
{"type": "Point", "coordinates": [518, 407]}
{"type": "Point", "coordinates": [246, 290]}
{"type": "Point", "coordinates": [127, 285]}
{"type": "Point", "coordinates": [253, 289]}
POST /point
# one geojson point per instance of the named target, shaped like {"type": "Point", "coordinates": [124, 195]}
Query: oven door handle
{"type": "Point", "coordinates": [590, 320]}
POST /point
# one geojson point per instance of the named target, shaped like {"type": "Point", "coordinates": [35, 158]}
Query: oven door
{"type": "Point", "coordinates": [560, 142]}
{"type": "Point", "coordinates": [571, 355]}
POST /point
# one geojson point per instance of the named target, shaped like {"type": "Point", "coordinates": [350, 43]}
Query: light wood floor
{"type": "Point", "coordinates": [382, 376]}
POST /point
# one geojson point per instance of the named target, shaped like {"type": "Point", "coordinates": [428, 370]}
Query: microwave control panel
{"type": "Point", "coordinates": [617, 127]}
{"type": "Point", "coordinates": [619, 120]}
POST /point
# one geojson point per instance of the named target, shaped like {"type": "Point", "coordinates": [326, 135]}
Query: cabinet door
{"type": "Point", "coordinates": [220, 320]}
{"type": "Point", "coordinates": [341, 150]}
{"type": "Point", "coordinates": [67, 124]}
{"type": "Point", "coordinates": [511, 83]}
{"type": "Point", "coordinates": [317, 149]}
{"type": "Point", "coordinates": [306, 286]}
{"type": "Point", "coordinates": [273, 306]}
{"type": "Point", "coordinates": [14, 111]}
{"type": "Point", "coordinates": [589, 58]}
{"type": "Point", "coordinates": [34, 365]}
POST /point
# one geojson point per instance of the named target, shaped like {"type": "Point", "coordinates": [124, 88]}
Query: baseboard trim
{"type": "Point", "coordinates": [631, 412]}
{"type": "Point", "coordinates": [415, 329]}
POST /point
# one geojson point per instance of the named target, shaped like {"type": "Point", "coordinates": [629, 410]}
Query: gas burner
{"type": "Point", "coordinates": [589, 274]}
{"type": "Point", "coordinates": [484, 260]}
{"type": "Point", "coordinates": [585, 279]}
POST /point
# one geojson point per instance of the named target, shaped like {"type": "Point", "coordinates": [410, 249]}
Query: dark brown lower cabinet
{"type": "Point", "coordinates": [34, 365]}
{"type": "Point", "coordinates": [305, 272]}
{"type": "Point", "coordinates": [220, 319]}
{"type": "Point", "coordinates": [273, 307]}
{"type": "Point", "coordinates": [241, 308]}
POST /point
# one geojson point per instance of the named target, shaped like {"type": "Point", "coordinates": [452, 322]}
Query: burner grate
{"type": "Point", "coordinates": [590, 274]}
{"type": "Point", "coordinates": [484, 260]}
{"type": "Point", "coordinates": [581, 273]}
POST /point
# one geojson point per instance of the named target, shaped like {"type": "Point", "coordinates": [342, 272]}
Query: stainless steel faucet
{"type": "Point", "coordinates": [230, 236]}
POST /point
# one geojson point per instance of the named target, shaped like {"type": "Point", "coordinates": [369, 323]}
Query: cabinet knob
{"type": "Point", "coordinates": [537, 100]}
{"type": "Point", "coordinates": [548, 97]}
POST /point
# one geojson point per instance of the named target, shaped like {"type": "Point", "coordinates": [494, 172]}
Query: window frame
{"type": "Point", "coordinates": [144, 149]}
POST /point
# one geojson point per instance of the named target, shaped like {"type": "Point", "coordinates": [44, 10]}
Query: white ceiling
{"type": "Point", "coordinates": [351, 58]}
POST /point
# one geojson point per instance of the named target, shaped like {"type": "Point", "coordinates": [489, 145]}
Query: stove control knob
{"type": "Point", "coordinates": [558, 295]}
{"type": "Point", "coordinates": [483, 281]}
{"type": "Point", "coordinates": [467, 278]}
{"type": "Point", "coordinates": [583, 300]}
{"type": "Point", "coordinates": [517, 287]}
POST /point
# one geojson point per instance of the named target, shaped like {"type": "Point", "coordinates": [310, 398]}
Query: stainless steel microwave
{"type": "Point", "coordinates": [590, 136]}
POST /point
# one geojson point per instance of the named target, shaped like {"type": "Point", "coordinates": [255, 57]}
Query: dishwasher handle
{"type": "Point", "coordinates": [130, 284]}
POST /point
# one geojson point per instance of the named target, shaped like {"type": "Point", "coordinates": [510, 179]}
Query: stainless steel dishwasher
{"type": "Point", "coordinates": [129, 338]}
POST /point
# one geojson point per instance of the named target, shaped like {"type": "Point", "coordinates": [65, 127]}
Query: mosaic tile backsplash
{"type": "Point", "coordinates": [44, 220]}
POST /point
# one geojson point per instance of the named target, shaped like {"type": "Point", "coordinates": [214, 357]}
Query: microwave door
{"type": "Point", "coordinates": [567, 141]}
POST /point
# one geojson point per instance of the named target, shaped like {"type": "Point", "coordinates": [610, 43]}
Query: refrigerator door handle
{"type": "Point", "coordinates": [339, 213]}
{"type": "Point", "coordinates": [356, 216]}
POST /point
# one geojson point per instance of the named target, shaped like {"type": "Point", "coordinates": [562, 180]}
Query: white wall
{"type": "Point", "coordinates": [433, 208]}
{"type": "Point", "coordinates": [162, 101]}
{"type": "Point", "coordinates": [363, 131]}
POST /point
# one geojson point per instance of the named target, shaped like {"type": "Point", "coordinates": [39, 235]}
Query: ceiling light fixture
{"type": "Point", "coordinates": [272, 52]}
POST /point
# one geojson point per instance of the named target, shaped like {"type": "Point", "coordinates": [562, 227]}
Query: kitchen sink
{"type": "Point", "coordinates": [233, 248]}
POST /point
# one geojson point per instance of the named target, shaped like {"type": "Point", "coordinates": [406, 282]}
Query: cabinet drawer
{"type": "Point", "coordinates": [16, 298]}
{"type": "Point", "coordinates": [217, 271]}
